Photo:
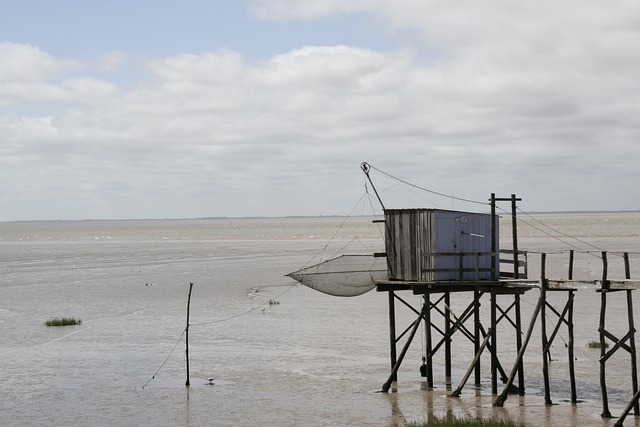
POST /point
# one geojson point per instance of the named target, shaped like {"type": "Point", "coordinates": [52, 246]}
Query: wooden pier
{"type": "Point", "coordinates": [418, 266]}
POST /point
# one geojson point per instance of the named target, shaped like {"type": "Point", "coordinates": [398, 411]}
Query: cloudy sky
{"type": "Point", "coordinates": [174, 109]}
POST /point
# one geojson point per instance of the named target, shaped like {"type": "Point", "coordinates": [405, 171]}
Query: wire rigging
{"type": "Point", "coordinates": [558, 231]}
{"type": "Point", "coordinates": [209, 323]}
{"type": "Point", "coordinates": [321, 253]}
{"type": "Point", "coordinates": [426, 189]}
{"type": "Point", "coordinates": [541, 229]}
{"type": "Point", "coordinates": [568, 243]}
{"type": "Point", "coordinates": [153, 377]}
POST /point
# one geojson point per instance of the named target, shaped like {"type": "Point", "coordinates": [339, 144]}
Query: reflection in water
{"type": "Point", "coordinates": [429, 405]}
{"type": "Point", "coordinates": [396, 413]}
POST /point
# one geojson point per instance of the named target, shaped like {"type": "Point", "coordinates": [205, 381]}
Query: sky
{"type": "Point", "coordinates": [230, 108]}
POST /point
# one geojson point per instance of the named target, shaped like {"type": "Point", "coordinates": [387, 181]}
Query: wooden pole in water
{"type": "Point", "coordinates": [601, 329]}
{"type": "Point", "coordinates": [494, 344]}
{"type": "Point", "coordinates": [632, 330]}
{"type": "Point", "coordinates": [447, 333]}
{"type": "Point", "coordinates": [572, 371]}
{"type": "Point", "coordinates": [428, 339]}
{"type": "Point", "coordinates": [187, 334]}
{"type": "Point", "coordinates": [633, 404]}
{"type": "Point", "coordinates": [503, 396]}
{"type": "Point", "coordinates": [394, 372]}
{"type": "Point", "coordinates": [392, 334]}
{"type": "Point", "coordinates": [570, 265]}
{"type": "Point", "coordinates": [476, 359]}
{"type": "Point", "coordinates": [494, 239]}
{"type": "Point", "coordinates": [476, 333]}
{"type": "Point", "coordinates": [543, 327]}
{"type": "Point", "coordinates": [520, 363]}
{"type": "Point", "coordinates": [514, 237]}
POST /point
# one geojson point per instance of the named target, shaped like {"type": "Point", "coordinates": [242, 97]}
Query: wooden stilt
{"type": "Point", "coordinates": [570, 276]}
{"type": "Point", "coordinates": [447, 338]}
{"type": "Point", "coordinates": [476, 360]}
{"type": "Point", "coordinates": [499, 369]}
{"type": "Point", "coordinates": [503, 396]}
{"type": "Point", "coordinates": [633, 403]}
{"type": "Point", "coordinates": [494, 345]}
{"type": "Point", "coordinates": [494, 238]}
{"type": "Point", "coordinates": [519, 363]}
{"type": "Point", "coordinates": [476, 334]}
{"type": "Point", "coordinates": [632, 330]}
{"type": "Point", "coordinates": [514, 237]}
{"type": "Point", "coordinates": [394, 371]}
{"type": "Point", "coordinates": [427, 321]}
{"type": "Point", "coordinates": [188, 383]}
{"type": "Point", "coordinates": [632, 346]}
{"type": "Point", "coordinates": [392, 332]}
{"type": "Point", "coordinates": [627, 409]}
{"type": "Point", "coordinates": [572, 371]}
{"type": "Point", "coordinates": [601, 329]}
{"type": "Point", "coordinates": [543, 327]}
{"type": "Point", "coordinates": [505, 316]}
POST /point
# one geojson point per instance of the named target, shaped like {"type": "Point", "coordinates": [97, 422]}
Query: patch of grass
{"type": "Point", "coordinates": [468, 422]}
{"type": "Point", "coordinates": [63, 321]}
{"type": "Point", "coordinates": [596, 344]}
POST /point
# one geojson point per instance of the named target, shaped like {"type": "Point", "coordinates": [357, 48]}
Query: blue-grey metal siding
{"type": "Point", "coordinates": [415, 237]}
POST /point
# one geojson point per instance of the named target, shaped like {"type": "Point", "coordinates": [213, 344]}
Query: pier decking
{"type": "Point", "coordinates": [441, 255]}
{"type": "Point", "coordinates": [437, 300]}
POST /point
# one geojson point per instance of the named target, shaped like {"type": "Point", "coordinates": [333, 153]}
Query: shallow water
{"type": "Point", "coordinates": [308, 359]}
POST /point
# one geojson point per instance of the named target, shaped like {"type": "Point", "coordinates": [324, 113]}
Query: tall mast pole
{"type": "Point", "coordinates": [366, 168]}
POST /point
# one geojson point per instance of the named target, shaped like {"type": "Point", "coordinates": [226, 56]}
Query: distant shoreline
{"type": "Point", "coordinates": [222, 218]}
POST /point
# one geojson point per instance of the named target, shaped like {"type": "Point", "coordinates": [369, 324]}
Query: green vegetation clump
{"type": "Point", "coordinates": [273, 302]}
{"type": "Point", "coordinates": [596, 344]}
{"type": "Point", "coordinates": [468, 422]}
{"type": "Point", "coordinates": [63, 321]}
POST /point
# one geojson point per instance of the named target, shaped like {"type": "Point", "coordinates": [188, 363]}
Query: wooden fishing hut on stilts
{"type": "Point", "coordinates": [440, 254]}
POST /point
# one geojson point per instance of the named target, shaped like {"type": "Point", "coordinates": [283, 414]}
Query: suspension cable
{"type": "Point", "coordinates": [368, 167]}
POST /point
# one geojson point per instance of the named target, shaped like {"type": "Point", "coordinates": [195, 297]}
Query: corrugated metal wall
{"type": "Point", "coordinates": [414, 237]}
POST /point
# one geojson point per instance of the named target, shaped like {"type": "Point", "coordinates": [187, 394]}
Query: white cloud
{"type": "Point", "coordinates": [539, 99]}
{"type": "Point", "coordinates": [25, 63]}
{"type": "Point", "coordinates": [30, 75]}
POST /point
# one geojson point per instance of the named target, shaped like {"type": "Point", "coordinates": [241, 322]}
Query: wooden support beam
{"type": "Point", "coordinates": [503, 396]}
{"type": "Point", "coordinates": [601, 329]}
{"type": "Point", "coordinates": [543, 327]}
{"type": "Point", "coordinates": [476, 332]}
{"type": "Point", "coordinates": [564, 317]}
{"type": "Point", "coordinates": [572, 371]}
{"type": "Point", "coordinates": [514, 237]}
{"type": "Point", "coordinates": [392, 333]}
{"type": "Point", "coordinates": [476, 360]}
{"type": "Point", "coordinates": [394, 371]}
{"type": "Point", "coordinates": [632, 344]}
{"type": "Point", "coordinates": [447, 338]}
{"type": "Point", "coordinates": [570, 265]}
{"type": "Point", "coordinates": [441, 306]}
{"type": "Point", "coordinates": [428, 343]}
{"type": "Point", "coordinates": [632, 339]}
{"type": "Point", "coordinates": [545, 351]}
{"type": "Point", "coordinates": [494, 345]}
{"type": "Point", "coordinates": [519, 363]}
